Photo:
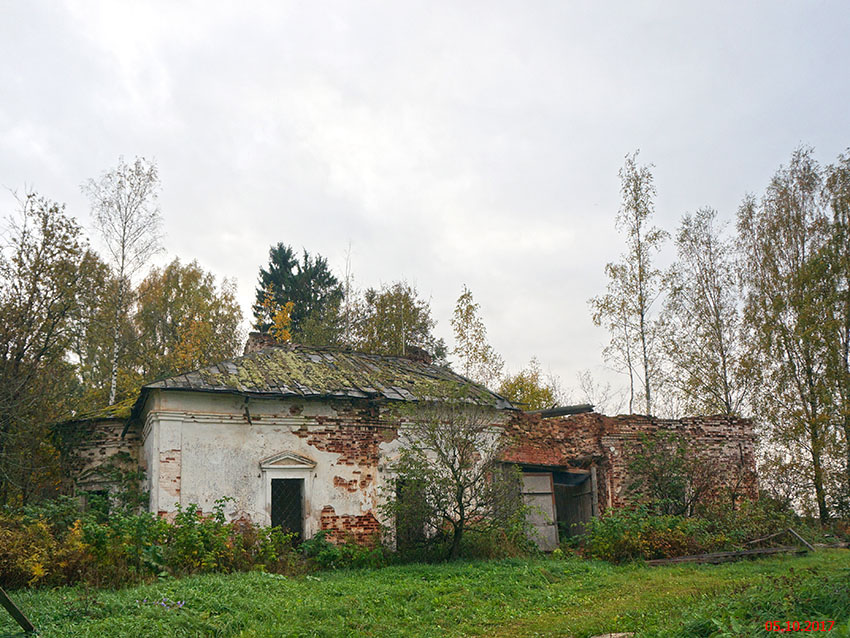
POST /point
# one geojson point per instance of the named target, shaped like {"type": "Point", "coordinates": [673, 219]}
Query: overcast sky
{"type": "Point", "coordinates": [448, 143]}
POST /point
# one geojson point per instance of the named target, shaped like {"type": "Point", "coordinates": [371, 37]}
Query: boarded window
{"type": "Point", "coordinates": [287, 505]}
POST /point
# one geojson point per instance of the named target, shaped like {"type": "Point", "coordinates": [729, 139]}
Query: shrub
{"type": "Point", "coordinates": [667, 475]}
{"type": "Point", "coordinates": [349, 554]}
{"type": "Point", "coordinates": [38, 547]}
{"type": "Point", "coordinates": [631, 534]}
{"type": "Point", "coordinates": [31, 555]}
{"type": "Point", "coordinates": [639, 533]}
{"type": "Point", "coordinates": [126, 547]}
{"type": "Point", "coordinates": [59, 513]}
{"type": "Point", "coordinates": [197, 543]}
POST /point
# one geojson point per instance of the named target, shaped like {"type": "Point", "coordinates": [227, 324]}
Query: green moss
{"type": "Point", "coordinates": [119, 410]}
{"type": "Point", "coordinates": [324, 371]}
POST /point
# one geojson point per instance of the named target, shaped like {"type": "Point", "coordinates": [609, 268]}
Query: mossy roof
{"type": "Point", "coordinates": [119, 411]}
{"type": "Point", "coordinates": [312, 372]}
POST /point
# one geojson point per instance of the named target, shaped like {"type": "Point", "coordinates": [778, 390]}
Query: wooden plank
{"type": "Point", "coordinates": [722, 557]}
{"type": "Point", "coordinates": [784, 531]}
{"type": "Point", "coordinates": [801, 539]}
{"type": "Point", "coordinates": [767, 538]}
{"type": "Point", "coordinates": [594, 503]}
{"type": "Point", "coordinates": [16, 613]}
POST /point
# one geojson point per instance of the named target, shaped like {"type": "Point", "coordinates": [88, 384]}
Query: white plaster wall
{"type": "Point", "coordinates": [149, 447]}
{"type": "Point", "coordinates": [201, 447]}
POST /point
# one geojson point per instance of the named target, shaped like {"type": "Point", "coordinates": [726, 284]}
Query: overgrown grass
{"type": "Point", "coordinates": [540, 597]}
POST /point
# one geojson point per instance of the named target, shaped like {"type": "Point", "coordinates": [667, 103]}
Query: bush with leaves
{"type": "Point", "coordinates": [31, 555]}
{"type": "Point", "coordinates": [39, 546]}
{"type": "Point", "coordinates": [448, 479]}
{"type": "Point", "coordinates": [349, 554]}
{"type": "Point", "coordinates": [668, 475]}
{"type": "Point", "coordinates": [639, 533]}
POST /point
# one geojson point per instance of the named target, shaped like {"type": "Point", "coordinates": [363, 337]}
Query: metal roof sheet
{"type": "Point", "coordinates": [296, 370]}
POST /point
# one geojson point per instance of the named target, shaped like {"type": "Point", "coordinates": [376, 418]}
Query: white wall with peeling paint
{"type": "Point", "coordinates": [200, 447]}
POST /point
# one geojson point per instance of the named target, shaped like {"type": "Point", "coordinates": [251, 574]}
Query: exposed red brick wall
{"type": "Point", "coordinates": [355, 433]}
{"type": "Point", "coordinates": [573, 440]}
{"type": "Point", "coordinates": [354, 484]}
{"type": "Point", "coordinates": [724, 443]}
{"type": "Point", "coordinates": [563, 443]}
{"type": "Point", "coordinates": [364, 529]}
{"type": "Point", "coordinates": [594, 440]}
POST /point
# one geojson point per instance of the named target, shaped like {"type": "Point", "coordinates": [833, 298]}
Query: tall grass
{"type": "Point", "coordinates": [514, 597]}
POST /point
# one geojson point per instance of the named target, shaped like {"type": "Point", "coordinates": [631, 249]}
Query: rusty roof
{"type": "Point", "coordinates": [318, 372]}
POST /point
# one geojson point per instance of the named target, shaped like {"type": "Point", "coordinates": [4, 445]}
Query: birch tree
{"type": "Point", "coordinates": [782, 237]}
{"type": "Point", "coordinates": [838, 257]}
{"type": "Point", "coordinates": [124, 203]}
{"type": "Point", "coordinates": [478, 361]}
{"type": "Point", "coordinates": [634, 285]}
{"type": "Point", "coordinates": [704, 338]}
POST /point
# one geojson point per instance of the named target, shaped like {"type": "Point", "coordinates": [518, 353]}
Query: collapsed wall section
{"type": "Point", "coordinates": [93, 452]}
{"type": "Point", "coordinates": [607, 444]}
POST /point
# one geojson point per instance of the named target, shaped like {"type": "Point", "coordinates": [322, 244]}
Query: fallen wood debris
{"type": "Point", "coordinates": [724, 557]}
{"type": "Point", "coordinates": [16, 613]}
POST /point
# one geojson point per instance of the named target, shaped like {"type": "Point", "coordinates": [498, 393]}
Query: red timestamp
{"type": "Point", "coordinates": [799, 625]}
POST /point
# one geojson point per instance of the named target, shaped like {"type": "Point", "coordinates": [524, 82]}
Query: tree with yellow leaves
{"type": "Point", "coordinates": [277, 316]}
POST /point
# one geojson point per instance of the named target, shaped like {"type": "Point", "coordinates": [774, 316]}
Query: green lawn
{"type": "Point", "coordinates": [539, 597]}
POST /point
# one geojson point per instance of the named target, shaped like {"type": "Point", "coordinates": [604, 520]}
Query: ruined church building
{"type": "Point", "coordinates": [302, 437]}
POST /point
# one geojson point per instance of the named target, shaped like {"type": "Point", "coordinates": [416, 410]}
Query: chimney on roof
{"type": "Point", "coordinates": [258, 341]}
{"type": "Point", "coordinates": [415, 353]}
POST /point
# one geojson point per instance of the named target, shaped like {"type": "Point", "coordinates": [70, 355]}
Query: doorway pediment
{"type": "Point", "coordinates": [287, 461]}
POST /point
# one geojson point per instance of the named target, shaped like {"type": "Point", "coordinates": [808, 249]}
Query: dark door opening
{"type": "Point", "coordinates": [287, 505]}
{"type": "Point", "coordinates": [411, 514]}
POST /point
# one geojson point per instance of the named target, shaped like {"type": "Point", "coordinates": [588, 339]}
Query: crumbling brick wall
{"type": "Point", "coordinates": [607, 443]}
{"type": "Point", "coordinates": [724, 444]}
{"type": "Point", "coordinates": [89, 448]}
{"type": "Point", "coordinates": [364, 529]}
{"type": "Point", "coordinates": [355, 433]}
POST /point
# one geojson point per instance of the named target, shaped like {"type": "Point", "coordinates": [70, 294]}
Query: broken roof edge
{"type": "Point", "coordinates": [118, 411]}
{"type": "Point", "coordinates": [566, 410]}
